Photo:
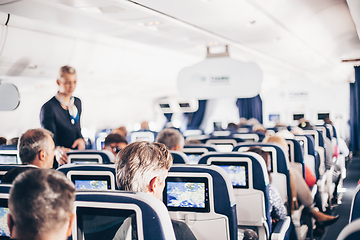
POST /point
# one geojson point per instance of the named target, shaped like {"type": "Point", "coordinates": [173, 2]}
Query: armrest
{"type": "Point", "coordinates": [281, 228]}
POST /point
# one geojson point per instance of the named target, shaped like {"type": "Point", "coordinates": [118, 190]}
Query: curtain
{"type": "Point", "coordinates": [250, 108]}
{"type": "Point", "coordinates": [195, 119]}
{"type": "Point", "coordinates": [354, 112]}
{"type": "Point", "coordinates": [168, 116]}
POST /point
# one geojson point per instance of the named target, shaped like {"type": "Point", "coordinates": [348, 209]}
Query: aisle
{"type": "Point", "coordinates": [350, 183]}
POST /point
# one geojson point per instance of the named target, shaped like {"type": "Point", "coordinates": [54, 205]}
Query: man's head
{"type": "Point", "coordinates": [36, 147]}
{"type": "Point", "coordinates": [143, 167]}
{"type": "Point", "coordinates": [41, 204]}
{"type": "Point", "coordinates": [114, 143]}
{"type": "Point", "coordinates": [172, 139]}
{"type": "Point", "coordinates": [66, 80]}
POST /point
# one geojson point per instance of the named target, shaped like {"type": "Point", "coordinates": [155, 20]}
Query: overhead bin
{"type": "Point", "coordinates": [29, 50]}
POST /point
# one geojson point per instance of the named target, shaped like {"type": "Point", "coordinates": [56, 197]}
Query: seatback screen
{"type": "Point", "coordinates": [89, 182]}
{"type": "Point", "coordinates": [84, 160]}
{"type": "Point", "coordinates": [187, 194]}
{"type": "Point", "coordinates": [102, 223]}
{"type": "Point", "coordinates": [8, 159]}
{"type": "Point", "coordinates": [237, 171]}
{"type": "Point", "coordinates": [4, 211]}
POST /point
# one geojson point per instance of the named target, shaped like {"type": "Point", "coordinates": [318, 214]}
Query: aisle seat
{"type": "Point", "coordinates": [211, 213]}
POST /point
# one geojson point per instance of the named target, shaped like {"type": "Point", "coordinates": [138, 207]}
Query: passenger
{"type": "Point", "coordinates": [143, 167]}
{"type": "Point", "coordinates": [232, 127]}
{"type": "Point", "coordinates": [301, 191]}
{"type": "Point", "coordinates": [277, 207]}
{"type": "Point", "coordinates": [61, 115]}
{"type": "Point", "coordinates": [41, 204]}
{"type": "Point", "coordinates": [261, 131]}
{"type": "Point", "coordinates": [193, 142]}
{"type": "Point", "coordinates": [13, 141]}
{"type": "Point", "coordinates": [114, 143]}
{"type": "Point", "coordinates": [253, 122]}
{"type": "Point", "coordinates": [144, 125]}
{"type": "Point", "coordinates": [3, 140]}
{"type": "Point", "coordinates": [36, 150]}
{"type": "Point", "coordinates": [172, 139]}
{"type": "Point", "coordinates": [121, 131]}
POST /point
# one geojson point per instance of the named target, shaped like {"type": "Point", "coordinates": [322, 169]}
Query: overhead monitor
{"type": "Point", "coordinates": [95, 223]}
{"type": "Point", "coordinates": [189, 194]}
{"type": "Point", "coordinates": [298, 116]}
{"type": "Point", "coordinates": [238, 172]}
{"type": "Point", "coordinates": [322, 116]}
{"type": "Point", "coordinates": [274, 117]}
{"type": "Point", "coordinates": [4, 211]}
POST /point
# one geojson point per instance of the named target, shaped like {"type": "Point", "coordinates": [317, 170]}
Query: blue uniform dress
{"type": "Point", "coordinates": [58, 121]}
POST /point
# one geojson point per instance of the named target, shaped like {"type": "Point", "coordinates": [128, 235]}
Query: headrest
{"type": "Point", "coordinates": [106, 156]}
{"type": "Point", "coordinates": [179, 157]}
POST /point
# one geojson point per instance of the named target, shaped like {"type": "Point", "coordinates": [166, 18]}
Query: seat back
{"type": "Point", "coordinates": [351, 231]}
{"type": "Point", "coordinates": [247, 137]}
{"type": "Point", "coordinates": [222, 143]}
{"type": "Point", "coordinates": [355, 205]}
{"type": "Point", "coordinates": [90, 156]}
{"type": "Point", "coordinates": [202, 197]}
{"type": "Point", "coordinates": [311, 158]}
{"type": "Point", "coordinates": [179, 157]}
{"type": "Point", "coordinates": [279, 167]}
{"type": "Point", "coordinates": [101, 214]}
{"type": "Point", "coordinates": [90, 177]}
{"type": "Point", "coordinates": [296, 157]}
{"type": "Point", "coordinates": [194, 152]}
{"type": "Point", "coordinates": [9, 154]}
{"type": "Point", "coordinates": [142, 135]}
{"type": "Point", "coordinates": [250, 182]}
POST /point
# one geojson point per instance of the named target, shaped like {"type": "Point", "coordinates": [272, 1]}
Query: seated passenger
{"type": "Point", "coordinates": [114, 143]}
{"type": "Point", "coordinates": [121, 131]}
{"type": "Point", "coordinates": [41, 204]}
{"type": "Point", "coordinates": [172, 139]}
{"type": "Point", "coordinates": [13, 141]}
{"type": "Point", "coordinates": [36, 150]}
{"type": "Point", "coordinates": [277, 207]}
{"type": "Point", "coordinates": [301, 191]}
{"type": "Point", "coordinates": [3, 140]}
{"type": "Point", "coordinates": [143, 167]}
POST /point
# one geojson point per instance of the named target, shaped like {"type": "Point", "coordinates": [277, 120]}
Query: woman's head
{"type": "Point", "coordinates": [276, 139]}
{"type": "Point", "coordinates": [66, 80]}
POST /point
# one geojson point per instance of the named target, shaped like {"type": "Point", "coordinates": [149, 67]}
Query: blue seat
{"type": "Point", "coordinates": [296, 155]}
{"type": "Point", "coordinates": [355, 205]}
{"type": "Point", "coordinates": [351, 231]}
{"type": "Point", "coordinates": [179, 157]}
{"type": "Point", "coordinates": [100, 215]}
{"type": "Point", "coordinates": [95, 176]}
{"type": "Point", "coordinates": [280, 169]}
{"type": "Point", "coordinates": [214, 215]}
{"type": "Point", "coordinates": [251, 193]}
{"type": "Point", "coordinates": [91, 156]}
